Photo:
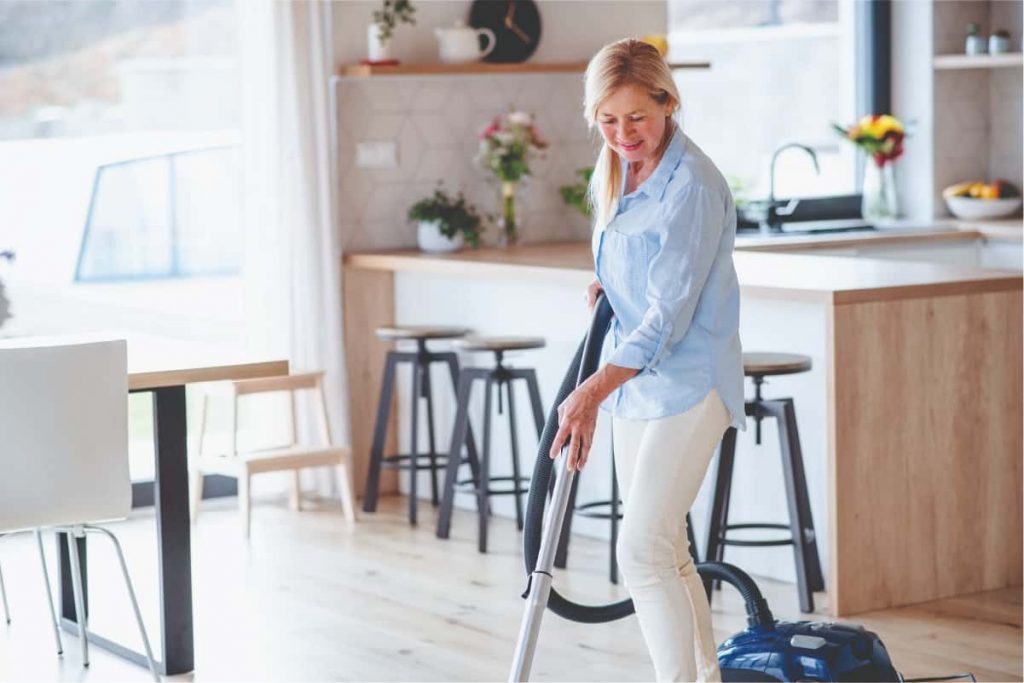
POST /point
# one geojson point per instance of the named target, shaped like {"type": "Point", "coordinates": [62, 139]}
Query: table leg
{"type": "Point", "coordinates": [174, 550]}
{"type": "Point", "coordinates": [173, 529]}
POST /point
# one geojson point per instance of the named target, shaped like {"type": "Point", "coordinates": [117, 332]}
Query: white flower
{"type": "Point", "coordinates": [504, 138]}
{"type": "Point", "coordinates": [519, 118]}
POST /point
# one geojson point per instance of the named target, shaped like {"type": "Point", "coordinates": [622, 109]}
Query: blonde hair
{"type": "Point", "coordinates": [625, 62]}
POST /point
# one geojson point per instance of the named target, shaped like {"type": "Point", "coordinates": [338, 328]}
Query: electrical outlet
{"type": "Point", "coordinates": [376, 155]}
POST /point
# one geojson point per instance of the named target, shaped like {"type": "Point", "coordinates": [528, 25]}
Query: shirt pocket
{"type": "Point", "coordinates": [624, 261]}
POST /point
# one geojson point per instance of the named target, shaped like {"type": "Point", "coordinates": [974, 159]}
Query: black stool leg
{"type": "Point", "coordinates": [417, 369]}
{"type": "Point", "coordinates": [815, 577]}
{"type": "Point", "coordinates": [726, 504]}
{"type": "Point", "coordinates": [474, 462]}
{"type": "Point", "coordinates": [691, 539]}
{"type": "Point", "coordinates": [434, 499]}
{"type": "Point", "coordinates": [513, 435]}
{"type": "Point", "coordinates": [614, 564]}
{"type": "Point", "coordinates": [803, 543]}
{"type": "Point", "coordinates": [718, 516]}
{"type": "Point", "coordinates": [459, 435]}
{"type": "Point", "coordinates": [535, 403]}
{"type": "Point", "coordinates": [483, 502]}
{"type": "Point", "coordinates": [538, 411]}
{"type": "Point", "coordinates": [380, 431]}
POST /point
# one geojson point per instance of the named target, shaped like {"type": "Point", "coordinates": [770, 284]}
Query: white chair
{"type": "Point", "coordinates": [294, 456]}
{"type": "Point", "coordinates": [64, 453]}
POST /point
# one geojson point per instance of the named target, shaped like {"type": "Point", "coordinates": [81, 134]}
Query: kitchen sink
{"type": "Point", "coordinates": [807, 216]}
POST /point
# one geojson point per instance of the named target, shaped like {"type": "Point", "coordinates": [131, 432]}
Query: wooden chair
{"type": "Point", "coordinates": [294, 457]}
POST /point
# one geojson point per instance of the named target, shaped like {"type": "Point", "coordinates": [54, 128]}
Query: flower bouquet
{"type": "Point", "coordinates": [506, 146]}
{"type": "Point", "coordinates": [881, 137]}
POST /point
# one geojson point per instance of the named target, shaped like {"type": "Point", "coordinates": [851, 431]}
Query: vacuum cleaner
{"type": "Point", "coordinates": [767, 650]}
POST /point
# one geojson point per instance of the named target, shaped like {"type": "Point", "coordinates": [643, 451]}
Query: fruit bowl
{"type": "Point", "coordinates": [969, 207]}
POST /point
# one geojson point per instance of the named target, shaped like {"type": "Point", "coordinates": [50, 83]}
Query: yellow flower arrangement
{"type": "Point", "coordinates": [880, 135]}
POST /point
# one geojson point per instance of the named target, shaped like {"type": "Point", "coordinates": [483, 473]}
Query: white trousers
{"type": "Point", "coordinates": [660, 465]}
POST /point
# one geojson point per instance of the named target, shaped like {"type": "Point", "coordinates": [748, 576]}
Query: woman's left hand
{"type": "Point", "coordinates": [577, 420]}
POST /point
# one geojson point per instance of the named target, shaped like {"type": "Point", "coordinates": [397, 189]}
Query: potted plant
{"type": "Point", "coordinates": [378, 36]}
{"type": "Point", "coordinates": [445, 222]}
{"type": "Point", "coordinates": [575, 195]}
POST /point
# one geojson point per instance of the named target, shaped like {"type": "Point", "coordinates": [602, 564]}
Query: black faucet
{"type": "Point", "coordinates": [774, 208]}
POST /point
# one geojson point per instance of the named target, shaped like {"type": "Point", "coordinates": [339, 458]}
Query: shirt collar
{"type": "Point", "coordinates": [654, 186]}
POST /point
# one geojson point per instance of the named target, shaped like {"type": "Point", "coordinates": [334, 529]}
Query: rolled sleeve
{"type": "Point", "coordinates": [690, 234]}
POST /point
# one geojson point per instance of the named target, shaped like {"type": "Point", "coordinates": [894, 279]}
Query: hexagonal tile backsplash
{"type": "Point", "coordinates": [434, 122]}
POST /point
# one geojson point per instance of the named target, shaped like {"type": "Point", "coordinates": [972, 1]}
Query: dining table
{"type": "Point", "coordinates": [162, 367]}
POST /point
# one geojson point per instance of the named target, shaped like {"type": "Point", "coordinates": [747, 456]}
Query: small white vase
{"type": "Point", "coordinates": [430, 239]}
{"type": "Point", "coordinates": [377, 50]}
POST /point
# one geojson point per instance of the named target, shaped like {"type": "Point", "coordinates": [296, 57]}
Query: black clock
{"type": "Point", "coordinates": [516, 26]}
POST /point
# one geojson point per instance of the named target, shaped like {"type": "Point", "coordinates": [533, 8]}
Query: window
{"type": "Point", "coordinates": [126, 111]}
{"type": "Point", "coordinates": [174, 215]}
{"type": "Point", "coordinates": [121, 193]}
{"type": "Point", "coordinates": [781, 71]}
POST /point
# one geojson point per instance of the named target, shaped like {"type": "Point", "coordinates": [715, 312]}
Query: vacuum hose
{"type": "Point", "coordinates": [583, 365]}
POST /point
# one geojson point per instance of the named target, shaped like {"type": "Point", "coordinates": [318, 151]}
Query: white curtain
{"type": "Point", "coordinates": [293, 254]}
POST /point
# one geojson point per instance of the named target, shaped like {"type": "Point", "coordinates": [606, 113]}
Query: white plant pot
{"type": "Point", "coordinates": [377, 50]}
{"type": "Point", "coordinates": [429, 238]}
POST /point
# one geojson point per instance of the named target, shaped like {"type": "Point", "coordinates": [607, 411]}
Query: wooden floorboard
{"type": "Point", "coordinates": [309, 599]}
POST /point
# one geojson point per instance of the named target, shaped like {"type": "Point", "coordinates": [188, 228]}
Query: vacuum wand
{"type": "Point", "coordinates": [539, 586]}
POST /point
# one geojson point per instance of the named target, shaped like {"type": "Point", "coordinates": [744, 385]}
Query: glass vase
{"type": "Point", "coordinates": [508, 224]}
{"type": "Point", "coordinates": [879, 201]}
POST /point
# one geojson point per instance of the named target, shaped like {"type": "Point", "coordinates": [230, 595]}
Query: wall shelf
{"type": "Point", "coordinates": [481, 68]}
{"type": "Point", "coordinates": [1009, 59]}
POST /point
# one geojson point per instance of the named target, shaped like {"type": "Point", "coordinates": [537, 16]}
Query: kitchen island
{"type": "Point", "coordinates": [910, 419]}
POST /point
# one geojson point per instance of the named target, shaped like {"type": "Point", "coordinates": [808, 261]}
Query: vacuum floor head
{"type": "Point", "coordinates": [805, 651]}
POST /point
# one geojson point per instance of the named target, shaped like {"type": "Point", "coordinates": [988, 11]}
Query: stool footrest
{"type": "Point", "coordinates": [404, 461]}
{"type": "Point", "coordinates": [469, 486]}
{"type": "Point", "coordinates": [754, 544]}
{"type": "Point", "coordinates": [591, 510]}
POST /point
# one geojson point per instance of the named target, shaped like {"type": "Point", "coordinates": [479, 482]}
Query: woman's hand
{"type": "Point", "coordinates": [593, 289]}
{"type": "Point", "coordinates": [577, 420]}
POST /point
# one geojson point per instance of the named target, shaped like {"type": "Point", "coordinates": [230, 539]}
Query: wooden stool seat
{"type": "Point", "coordinates": [399, 332]}
{"type": "Point", "coordinates": [763, 364]}
{"type": "Point", "coordinates": [499, 343]}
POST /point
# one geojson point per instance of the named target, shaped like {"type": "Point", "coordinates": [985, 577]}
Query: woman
{"type": "Point", "coordinates": [663, 240]}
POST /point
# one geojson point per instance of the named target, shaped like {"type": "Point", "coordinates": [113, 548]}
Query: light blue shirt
{"type": "Point", "coordinates": [665, 263]}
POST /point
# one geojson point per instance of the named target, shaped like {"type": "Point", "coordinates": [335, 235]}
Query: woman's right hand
{"type": "Point", "coordinates": [593, 289]}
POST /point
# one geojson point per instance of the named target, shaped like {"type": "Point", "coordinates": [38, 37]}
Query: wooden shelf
{"type": "Point", "coordinates": [1009, 59]}
{"type": "Point", "coordinates": [481, 68]}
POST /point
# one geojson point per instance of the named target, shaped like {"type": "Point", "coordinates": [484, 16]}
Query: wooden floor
{"type": "Point", "coordinates": [308, 599]}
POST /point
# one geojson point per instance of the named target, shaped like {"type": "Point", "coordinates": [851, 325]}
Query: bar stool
{"type": "Point", "coordinates": [612, 511]}
{"type": "Point", "coordinates": [757, 366]}
{"type": "Point", "coordinates": [502, 376]}
{"type": "Point", "coordinates": [421, 359]}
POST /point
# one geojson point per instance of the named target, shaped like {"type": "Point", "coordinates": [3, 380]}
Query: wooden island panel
{"type": "Point", "coordinates": [925, 464]}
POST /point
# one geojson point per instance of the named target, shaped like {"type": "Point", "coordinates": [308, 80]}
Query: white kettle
{"type": "Point", "coordinates": [460, 43]}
